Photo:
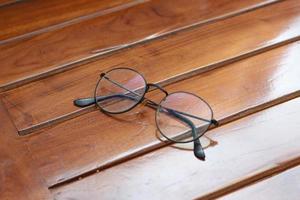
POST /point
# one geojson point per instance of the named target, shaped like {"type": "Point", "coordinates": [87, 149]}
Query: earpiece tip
{"type": "Point", "coordinates": [200, 156]}
{"type": "Point", "coordinates": [75, 102]}
{"type": "Point", "coordinates": [198, 152]}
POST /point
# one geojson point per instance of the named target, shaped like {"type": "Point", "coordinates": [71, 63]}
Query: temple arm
{"type": "Point", "coordinates": [83, 102]}
{"type": "Point", "coordinates": [198, 150]}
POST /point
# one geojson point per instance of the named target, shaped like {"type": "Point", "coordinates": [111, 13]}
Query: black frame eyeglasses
{"type": "Point", "coordinates": [181, 117]}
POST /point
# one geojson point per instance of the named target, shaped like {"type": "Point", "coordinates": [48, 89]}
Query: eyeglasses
{"type": "Point", "coordinates": [181, 117]}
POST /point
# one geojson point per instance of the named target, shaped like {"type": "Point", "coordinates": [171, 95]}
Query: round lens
{"type": "Point", "coordinates": [179, 112]}
{"type": "Point", "coordinates": [119, 90]}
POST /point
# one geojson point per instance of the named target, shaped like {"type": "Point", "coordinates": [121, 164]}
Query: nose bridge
{"type": "Point", "coordinates": [158, 87]}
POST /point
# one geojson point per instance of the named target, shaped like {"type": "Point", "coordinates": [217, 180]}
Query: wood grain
{"type": "Point", "coordinates": [163, 61]}
{"type": "Point", "coordinates": [4, 3]}
{"type": "Point", "coordinates": [245, 64]}
{"type": "Point", "coordinates": [246, 149]}
{"type": "Point", "coordinates": [282, 186]}
{"type": "Point", "coordinates": [52, 52]}
{"type": "Point", "coordinates": [96, 141]}
{"type": "Point", "coordinates": [47, 15]}
{"type": "Point", "coordinates": [19, 178]}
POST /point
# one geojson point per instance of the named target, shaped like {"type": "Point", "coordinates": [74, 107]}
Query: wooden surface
{"type": "Point", "coordinates": [18, 176]}
{"type": "Point", "coordinates": [4, 3]}
{"type": "Point", "coordinates": [56, 50]}
{"type": "Point", "coordinates": [286, 184]}
{"type": "Point", "coordinates": [150, 59]}
{"type": "Point", "coordinates": [54, 151]}
{"type": "Point", "coordinates": [250, 147]}
{"type": "Point", "coordinates": [240, 56]}
{"type": "Point", "coordinates": [50, 15]}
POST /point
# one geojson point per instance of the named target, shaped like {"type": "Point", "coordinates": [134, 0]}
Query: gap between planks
{"type": "Point", "coordinates": [271, 185]}
{"type": "Point", "coordinates": [61, 86]}
{"type": "Point", "coordinates": [272, 171]}
{"type": "Point", "coordinates": [96, 56]}
{"type": "Point", "coordinates": [72, 21]}
{"type": "Point", "coordinates": [158, 145]}
{"type": "Point", "coordinates": [9, 3]}
{"type": "Point", "coordinates": [179, 77]}
{"type": "Point", "coordinates": [270, 69]}
{"type": "Point", "coordinates": [274, 165]}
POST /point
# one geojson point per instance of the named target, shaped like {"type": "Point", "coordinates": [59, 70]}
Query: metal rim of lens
{"type": "Point", "coordinates": [123, 111]}
{"type": "Point", "coordinates": [176, 141]}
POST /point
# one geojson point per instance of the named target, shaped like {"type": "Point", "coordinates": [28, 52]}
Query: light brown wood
{"type": "Point", "coordinates": [285, 185]}
{"type": "Point", "coordinates": [164, 61]}
{"type": "Point", "coordinates": [29, 18]}
{"type": "Point", "coordinates": [101, 141]}
{"type": "Point", "coordinates": [54, 51]}
{"type": "Point", "coordinates": [19, 178]}
{"type": "Point", "coordinates": [251, 147]}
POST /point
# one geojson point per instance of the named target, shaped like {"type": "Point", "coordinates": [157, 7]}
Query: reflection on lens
{"type": "Point", "coordinates": [123, 87]}
{"type": "Point", "coordinates": [176, 113]}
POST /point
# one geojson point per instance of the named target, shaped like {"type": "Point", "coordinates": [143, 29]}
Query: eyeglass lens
{"type": "Point", "coordinates": [117, 85]}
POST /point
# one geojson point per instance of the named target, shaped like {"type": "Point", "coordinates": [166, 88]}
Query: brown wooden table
{"type": "Point", "coordinates": [241, 56]}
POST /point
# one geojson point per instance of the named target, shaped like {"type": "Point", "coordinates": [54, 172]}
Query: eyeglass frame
{"type": "Point", "coordinates": [149, 102]}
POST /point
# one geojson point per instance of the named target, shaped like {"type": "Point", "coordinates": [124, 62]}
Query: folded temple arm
{"type": "Point", "coordinates": [83, 102]}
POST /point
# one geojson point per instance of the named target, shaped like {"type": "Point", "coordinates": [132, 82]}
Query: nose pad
{"type": "Point", "coordinates": [158, 87]}
{"type": "Point", "coordinates": [144, 102]}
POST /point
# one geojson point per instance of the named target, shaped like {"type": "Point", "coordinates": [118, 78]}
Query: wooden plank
{"type": "Point", "coordinates": [8, 2]}
{"type": "Point", "coordinates": [96, 141]}
{"type": "Point", "coordinates": [29, 18]}
{"type": "Point", "coordinates": [282, 186]}
{"type": "Point", "coordinates": [162, 61]}
{"type": "Point", "coordinates": [52, 52]}
{"type": "Point", "coordinates": [18, 176]}
{"type": "Point", "coordinates": [247, 149]}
